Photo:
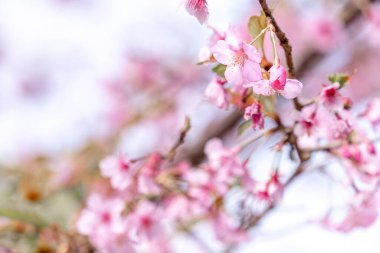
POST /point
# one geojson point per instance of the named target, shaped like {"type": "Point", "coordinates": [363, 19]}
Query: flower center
{"type": "Point", "coordinates": [239, 59]}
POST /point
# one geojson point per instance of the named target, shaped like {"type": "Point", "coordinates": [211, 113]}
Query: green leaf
{"type": "Point", "coordinates": [243, 127]}
{"type": "Point", "coordinates": [255, 25]}
{"type": "Point", "coordinates": [219, 70]}
{"type": "Point", "coordinates": [340, 78]}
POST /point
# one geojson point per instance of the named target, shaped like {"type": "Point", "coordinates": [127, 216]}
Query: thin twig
{"type": "Point", "coordinates": [181, 139]}
{"type": "Point", "coordinates": [284, 41]}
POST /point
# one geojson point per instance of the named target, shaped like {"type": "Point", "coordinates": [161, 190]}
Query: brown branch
{"type": "Point", "coordinates": [181, 139]}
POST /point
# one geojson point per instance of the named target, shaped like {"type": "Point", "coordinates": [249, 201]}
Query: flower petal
{"type": "Point", "coordinates": [252, 53]}
{"type": "Point", "coordinates": [263, 88]}
{"type": "Point", "coordinates": [198, 8]}
{"type": "Point", "coordinates": [223, 52]}
{"type": "Point", "coordinates": [234, 75]}
{"type": "Point", "coordinates": [252, 71]}
{"type": "Point", "coordinates": [292, 89]}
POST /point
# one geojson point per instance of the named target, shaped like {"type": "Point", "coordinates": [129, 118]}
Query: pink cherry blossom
{"type": "Point", "coordinates": [242, 61]}
{"type": "Point", "coordinates": [339, 129]}
{"type": "Point", "coordinates": [198, 8]}
{"type": "Point", "coordinates": [324, 32]}
{"type": "Point", "coordinates": [307, 122]}
{"type": "Point", "coordinates": [255, 114]}
{"type": "Point", "coordinates": [224, 165]}
{"type": "Point", "coordinates": [217, 94]}
{"type": "Point", "coordinates": [226, 231]}
{"type": "Point", "coordinates": [277, 83]}
{"type": "Point", "coordinates": [146, 218]}
{"type": "Point", "coordinates": [331, 98]}
{"type": "Point", "coordinates": [118, 169]}
{"type": "Point", "coordinates": [200, 186]}
{"type": "Point", "coordinates": [102, 221]}
{"type": "Point", "coordinates": [183, 209]}
{"type": "Point", "coordinates": [271, 190]}
{"type": "Point", "coordinates": [146, 180]}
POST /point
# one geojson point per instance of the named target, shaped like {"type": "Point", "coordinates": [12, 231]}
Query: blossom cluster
{"type": "Point", "coordinates": [153, 198]}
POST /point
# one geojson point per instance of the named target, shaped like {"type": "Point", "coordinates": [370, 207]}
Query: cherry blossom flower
{"type": "Point", "coordinates": [198, 8]}
{"type": "Point", "coordinates": [224, 165]}
{"type": "Point", "coordinates": [182, 208]}
{"type": "Point", "coordinates": [277, 83]}
{"type": "Point", "coordinates": [146, 181]}
{"type": "Point", "coordinates": [331, 98]}
{"type": "Point", "coordinates": [200, 186]}
{"type": "Point", "coordinates": [118, 169]}
{"type": "Point", "coordinates": [271, 190]}
{"type": "Point", "coordinates": [339, 129]}
{"type": "Point", "coordinates": [226, 231]}
{"type": "Point", "coordinates": [255, 114]}
{"type": "Point", "coordinates": [242, 61]}
{"type": "Point", "coordinates": [307, 122]}
{"type": "Point", "coordinates": [102, 221]}
{"type": "Point", "coordinates": [324, 31]}
{"type": "Point", "coordinates": [146, 219]}
{"type": "Point", "coordinates": [216, 93]}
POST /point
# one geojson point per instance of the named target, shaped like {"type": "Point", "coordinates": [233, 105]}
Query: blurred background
{"type": "Point", "coordinates": [81, 77]}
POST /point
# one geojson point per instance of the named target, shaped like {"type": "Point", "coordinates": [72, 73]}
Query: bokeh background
{"type": "Point", "coordinates": [74, 71]}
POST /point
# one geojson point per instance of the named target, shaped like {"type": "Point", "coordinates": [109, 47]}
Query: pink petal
{"type": "Point", "coordinates": [217, 95]}
{"type": "Point", "coordinates": [252, 71]}
{"type": "Point", "coordinates": [263, 88]}
{"type": "Point", "coordinates": [223, 52]}
{"type": "Point", "coordinates": [234, 75]}
{"type": "Point", "coordinates": [252, 53]}
{"type": "Point", "coordinates": [292, 89]}
{"type": "Point", "coordinates": [278, 77]}
{"type": "Point", "coordinates": [198, 8]}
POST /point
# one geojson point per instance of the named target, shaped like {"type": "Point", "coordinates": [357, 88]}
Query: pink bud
{"type": "Point", "coordinates": [198, 8]}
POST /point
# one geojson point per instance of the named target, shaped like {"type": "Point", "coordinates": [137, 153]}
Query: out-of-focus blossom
{"type": "Point", "coordinates": [182, 208]}
{"type": "Point", "coordinates": [226, 231]}
{"type": "Point", "coordinates": [146, 219]}
{"type": "Point", "coordinates": [361, 214]}
{"type": "Point", "coordinates": [102, 221]}
{"type": "Point", "coordinates": [198, 8]}
{"type": "Point", "coordinates": [223, 164]}
{"type": "Point", "coordinates": [146, 180]}
{"type": "Point", "coordinates": [331, 98]}
{"type": "Point", "coordinates": [374, 24]}
{"type": "Point", "coordinates": [242, 61]}
{"type": "Point", "coordinates": [118, 169]}
{"type": "Point", "coordinates": [340, 128]}
{"type": "Point", "coordinates": [372, 112]}
{"type": "Point", "coordinates": [277, 83]}
{"type": "Point", "coordinates": [307, 122]}
{"type": "Point", "coordinates": [255, 114]}
{"type": "Point", "coordinates": [217, 94]}
{"type": "Point", "coordinates": [270, 191]}
{"type": "Point", "coordinates": [323, 31]}
{"type": "Point", "coordinates": [156, 246]}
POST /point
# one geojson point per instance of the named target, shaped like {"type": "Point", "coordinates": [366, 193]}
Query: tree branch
{"type": "Point", "coordinates": [284, 41]}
